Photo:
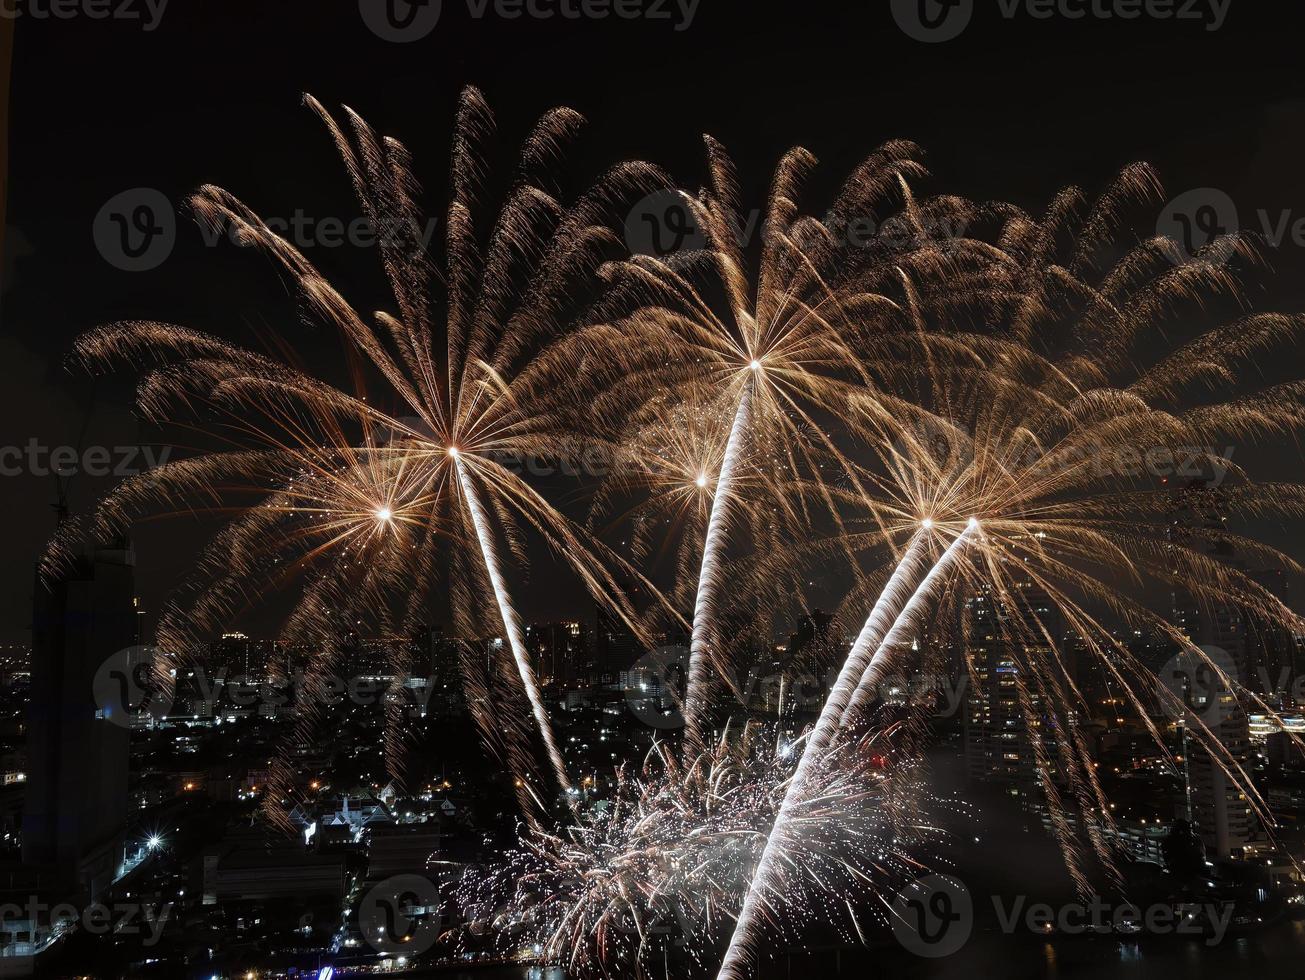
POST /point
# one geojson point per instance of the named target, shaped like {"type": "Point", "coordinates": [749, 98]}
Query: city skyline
{"type": "Point", "coordinates": [640, 488]}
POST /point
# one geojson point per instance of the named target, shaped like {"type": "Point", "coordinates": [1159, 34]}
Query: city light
{"type": "Point", "coordinates": [444, 556]}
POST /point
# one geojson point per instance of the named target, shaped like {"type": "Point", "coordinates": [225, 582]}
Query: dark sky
{"type": "Point", "coordinates": [1012, 108]}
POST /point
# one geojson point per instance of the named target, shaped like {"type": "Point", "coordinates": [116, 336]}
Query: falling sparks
{"type": "Point", "coordinates": [372, 500]}
{"type": "Point", "coordinates": [660, 872]}
{"type": "Point", "coordinates": [944, 408]}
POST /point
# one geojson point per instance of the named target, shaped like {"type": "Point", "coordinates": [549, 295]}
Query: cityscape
{"type": "Point", "coordinates": [466, 522]}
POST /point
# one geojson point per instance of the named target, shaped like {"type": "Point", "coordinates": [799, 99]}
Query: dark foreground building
{"type": "Point", "coordinates": [75, 816]}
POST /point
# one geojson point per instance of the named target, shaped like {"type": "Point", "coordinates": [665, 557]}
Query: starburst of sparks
{"type": "Point", "coordinates": [945, 407]}
{"type": "Point", "coordinates": [656, 876]}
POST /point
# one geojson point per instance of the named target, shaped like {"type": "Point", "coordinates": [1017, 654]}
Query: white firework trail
{"type": "Point", "coordinates": [889, 621]}
{"type": "Point", "coordinates": [703, 641]}
{"type": "Point", "coordinates": [906, 624]}
{"type": "Point", "coordinates": [512, 626]}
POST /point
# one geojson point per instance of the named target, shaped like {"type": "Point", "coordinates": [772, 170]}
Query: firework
{"type": "Point", "coordinates": [1008, 442]}
{"type": "Point", "coordinates": [650, 883]}
{"type": "Point", "coordinates": [953, 406]}
{"type": "Point", "coordinates": [787, 344]}
{"type": "Point", "coordinates": [373, 498]}
{"type": "Point", "coordinates": [889, 622]}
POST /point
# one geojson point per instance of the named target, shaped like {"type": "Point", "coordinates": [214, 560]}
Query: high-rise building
{"type": "Point", "coordinates": [243, 658]}
{"type": "Point", "coordinates": [615, 646]}
{"type": "Point", "coordinates": [1196, 523]}
{"type": "Point", "coordinates": [1219, 811]}
{"type": "Point", "coordinates": [996, 734]}
{"type": "Point", "coordinates": [1002, 721]}
{"type": "Point", "coordinates": [76, 810]}
{"type": "Point", "coordinates": [811, 642]}
{"type": "Point", "coordinates": [1217, 808]}
{"type": "Point", "coordinates": [1275, 653]}
{"type": "Point", "coordinates": [560, 651]}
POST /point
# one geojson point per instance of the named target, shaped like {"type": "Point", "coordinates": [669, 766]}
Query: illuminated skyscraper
{"type": "Point", "coordinates": [1001, 718]}
{"type": "Point", "coordinates": [560, 650]}
{"type": "Point", "coordinates": [1220, 813]}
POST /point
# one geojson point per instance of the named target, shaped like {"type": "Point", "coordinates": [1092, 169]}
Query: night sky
{"type": "Point", "coordinates": [1012, 109]}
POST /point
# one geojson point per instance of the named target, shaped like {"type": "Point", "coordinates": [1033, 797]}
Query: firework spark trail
{"type": "Point", "coordinates": [704, 638]}
{"type": "Point", "coordinates": [739, 957]}
{"type": "Point", "coordinates": [355, 493]}
{"type": "Point", "coordinates": [962, 340]}
{"type": "Point", "coordinates": [907, 620]}
{"type": "Point", "coordinates": [816, 317]}
{"type": "Point", "coordinates": [512, 627]}
{"type": "Point", "coordinates": [662, 868]}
